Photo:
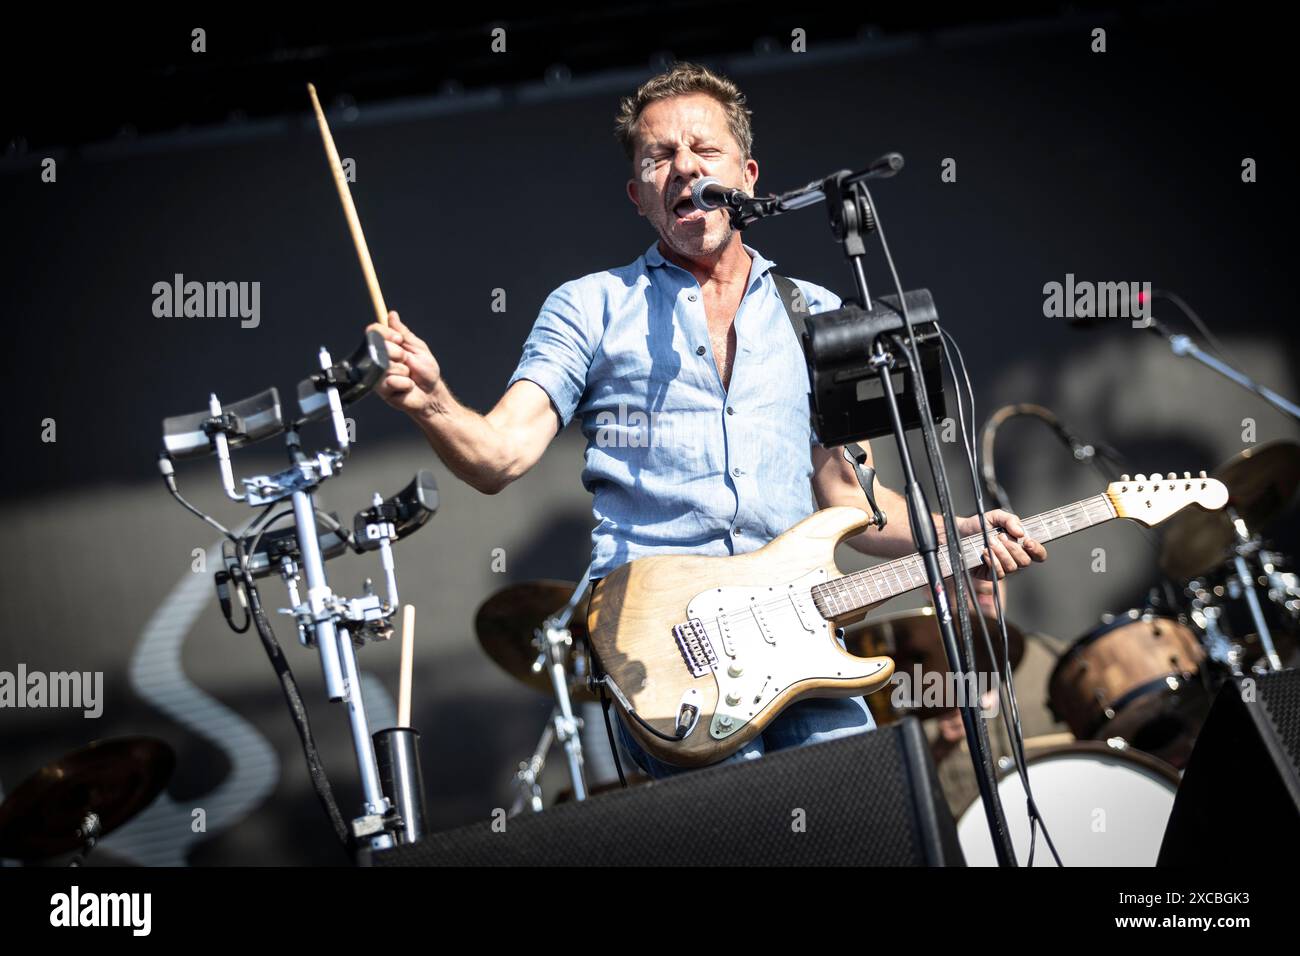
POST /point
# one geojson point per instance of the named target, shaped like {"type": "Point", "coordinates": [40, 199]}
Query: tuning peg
{"type": "Point", "coordinates": [1124, 478]}
{"type": "Point", "coordinates": [1139, 477]}
{"type": "Point", "coordinates": [1171, 476]}
{"type": "Point", "coordinates": [1203, 475]}
{"type": "Point", "coordinates": [1187, 475]}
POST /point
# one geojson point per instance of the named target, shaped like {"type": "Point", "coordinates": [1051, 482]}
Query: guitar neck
{"type": "Point", "coordinates": [859, 590]}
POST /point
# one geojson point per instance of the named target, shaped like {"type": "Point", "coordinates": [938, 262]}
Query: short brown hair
{"type": "Point", "coordinates": [682, 79]}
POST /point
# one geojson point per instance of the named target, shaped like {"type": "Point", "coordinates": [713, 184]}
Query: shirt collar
{"type": "Point", "coordinates": [653, 258]}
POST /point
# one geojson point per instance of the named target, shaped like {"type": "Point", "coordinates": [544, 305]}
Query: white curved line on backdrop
{"type": "Point", "coordinates": [162, 835]}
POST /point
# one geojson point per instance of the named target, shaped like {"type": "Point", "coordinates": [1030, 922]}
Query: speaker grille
{"type": "Point", "coordinates": [848, 802]}
{"type": "Point", "coordinates": [1279, 692]}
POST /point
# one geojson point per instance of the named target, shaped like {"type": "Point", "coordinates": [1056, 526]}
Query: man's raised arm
{"type": "Point", "coordinates": [485, 451]}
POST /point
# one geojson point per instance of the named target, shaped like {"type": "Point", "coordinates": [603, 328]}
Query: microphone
{"type": "Point", "coordinates": [709, 194]}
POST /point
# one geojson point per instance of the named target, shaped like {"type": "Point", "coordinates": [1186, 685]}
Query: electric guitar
{"type": "Point", "coordinates": [708, 668]}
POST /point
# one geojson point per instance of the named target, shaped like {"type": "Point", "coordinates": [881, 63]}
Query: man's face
{"type": "Point", "coordinates": [679, 140]}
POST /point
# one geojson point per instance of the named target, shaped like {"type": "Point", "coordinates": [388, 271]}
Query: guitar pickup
{"type": "Point", "coordinates": [695, 646]}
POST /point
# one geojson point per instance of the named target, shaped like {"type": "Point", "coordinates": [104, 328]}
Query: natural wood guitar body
{"type": "Point", "coordinates": [634, 610]}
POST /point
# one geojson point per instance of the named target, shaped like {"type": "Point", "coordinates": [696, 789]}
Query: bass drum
{"type": "Point", "coordinates": [1101, 805]}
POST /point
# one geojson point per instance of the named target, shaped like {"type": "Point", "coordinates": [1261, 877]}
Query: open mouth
{"type": "Point", "coordinates": [685, 211]}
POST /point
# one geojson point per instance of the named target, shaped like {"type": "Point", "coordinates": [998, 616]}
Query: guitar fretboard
{"type": "Point", "coordinates": [852, 592]}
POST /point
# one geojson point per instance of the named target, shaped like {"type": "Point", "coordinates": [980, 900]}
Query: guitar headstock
{"type": "Point", "coordinates": [1151, 499]}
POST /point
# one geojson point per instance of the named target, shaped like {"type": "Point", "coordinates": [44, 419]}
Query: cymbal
{"type": "Point", "coordinates": [911, 638]}
{"type": "Point", "coordinates": [1261, 483]}
{"type": "Point", "coordinates": [114, 778]}
{"type": "Point", "coordinates": [505, 623]}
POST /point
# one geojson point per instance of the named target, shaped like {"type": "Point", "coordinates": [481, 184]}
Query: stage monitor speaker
{"type": "Point", "coordinates": [1239, 801]}
{"type": "Point", "coordinates": [870, 799]}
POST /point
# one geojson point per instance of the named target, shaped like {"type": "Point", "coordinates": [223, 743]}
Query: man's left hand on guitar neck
{"type": "Point", "coordinates": [834, 483]}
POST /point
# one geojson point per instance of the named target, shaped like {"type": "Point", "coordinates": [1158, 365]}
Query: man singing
{"type": "Point", "coordinates": [689, 382]}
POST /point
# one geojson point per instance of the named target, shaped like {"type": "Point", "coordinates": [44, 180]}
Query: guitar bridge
{"type": "Point", "coordinates": [697, 649]}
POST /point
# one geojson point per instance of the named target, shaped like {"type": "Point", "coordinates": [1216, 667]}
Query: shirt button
{"type": "Point", "coordinates": [739, 532]}
{"type": "Point", "coordinates": [736, 472]}
{"type": "Point", "coordinates": [730, 410]}
{"type": "Point", "coordinates": [692, 297]}
{"type": "Point", "coordinates": [700, 350]}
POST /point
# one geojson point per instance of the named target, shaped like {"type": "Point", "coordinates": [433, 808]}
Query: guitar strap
{"type": "Point", "coordinates": [796, 308]}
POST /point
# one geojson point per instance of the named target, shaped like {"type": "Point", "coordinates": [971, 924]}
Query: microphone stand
{"type": "Point", "coordinates": [852, 216]}
{"type": "Point", "coordinates": [1183, 346]}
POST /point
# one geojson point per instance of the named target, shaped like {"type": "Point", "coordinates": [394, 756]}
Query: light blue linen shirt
{"type": "Point", "coordinates": [676, 463]}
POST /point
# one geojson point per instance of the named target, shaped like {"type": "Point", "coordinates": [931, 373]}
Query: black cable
{"type": "Point", "coordinates": [170, 481]}
{"type": "Point", "coordinates": [342, 532]}
{"type": "Point", "coordinates": [297, 710]}
{"type": "Point", "coordinates": [672, 739]}
{"type": "Point", "coordinates": [609, 732]}
{"type": "Point", "coordinates": [265, 526]}
{"type": "Point", "coordinates": [965, 643]}
{"type": "Point", "coordinates": [1177, 302]}
{"type": "Point", "coordinates": [1250, 384]}
{"type": "Point", "coordinates": [233, 583]}
{"type": "Point", "coordinates": [933, 453]}
{"type": "Point", "coordinates": [1011, 713]}
{"type": "Point", "coordinates": [598, 678]}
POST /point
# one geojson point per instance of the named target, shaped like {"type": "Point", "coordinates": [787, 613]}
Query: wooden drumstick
{"type": "Point", "coordinates": [408, 660]}
{"type": "Point", "coordinates": [350, 211]}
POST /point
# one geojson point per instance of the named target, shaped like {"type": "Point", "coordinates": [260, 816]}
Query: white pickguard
{"type": "Point", "coordinates": [767, 638]}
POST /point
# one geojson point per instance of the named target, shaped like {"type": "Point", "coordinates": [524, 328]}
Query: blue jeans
{"type": "Point", "coordinates": [809, 721]}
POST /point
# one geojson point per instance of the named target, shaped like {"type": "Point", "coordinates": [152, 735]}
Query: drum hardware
{"type": "Point", "coordinates": [526, 780]}
{"type": "Point", "coordinates": [1107, 711]}
{"type": "Point", "coordinates": [73, 803]}
{"type": "Point", "coordinates": [1283, 586]}
{"type": "Point", "coordinates": [1247, 546]}
{"type": "Point", "coordinates": [1237, 594]}
{"type": "Point", "coordinates": [508, 628]}
{"type": "Point", "coordinates": [1204, 613]}
{"type": "Point", "coordinates": [1217, 605]}
{"type": "Point", "coordinates": [332, 624]}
